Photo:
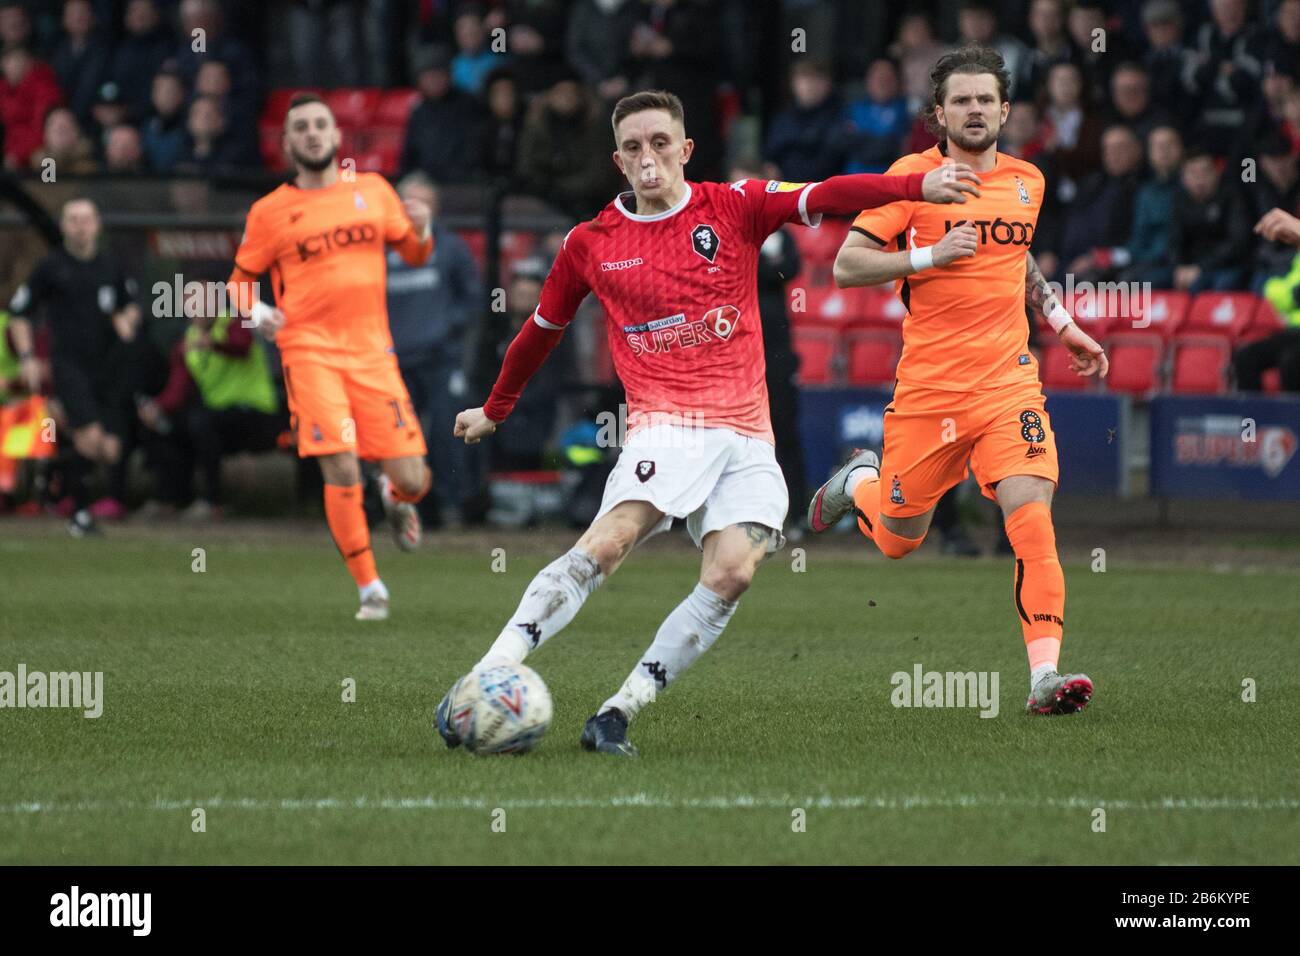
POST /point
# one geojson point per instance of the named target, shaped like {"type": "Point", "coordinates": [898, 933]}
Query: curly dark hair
{"type": "Point", "coordinates": [967, 59]}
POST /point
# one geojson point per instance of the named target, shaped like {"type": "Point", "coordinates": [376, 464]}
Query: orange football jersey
{"type": "Point", "coordinates": [324, 249]}
{"type": "Point", "coordinates": [965, 327]}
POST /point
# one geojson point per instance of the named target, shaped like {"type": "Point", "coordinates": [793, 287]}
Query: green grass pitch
{"type": "Point", "coordinates": [223, 691]}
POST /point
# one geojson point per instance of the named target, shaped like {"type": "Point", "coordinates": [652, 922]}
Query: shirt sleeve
{"type": "Point", "coordinates": [770, 204]}
{"type": "Point", "coordinates": [28, 297]}
{"type": "Point", "coordinates": [564, 289]}
{"type": "Point", "coordinates": [256, 250]}
{"type": "Point", "coordinates": [883, 223]}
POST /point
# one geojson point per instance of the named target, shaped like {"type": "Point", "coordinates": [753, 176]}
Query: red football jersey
{"type": "Point", "coordinates": [680, 294]}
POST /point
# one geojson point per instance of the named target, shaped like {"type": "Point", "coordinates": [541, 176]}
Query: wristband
{"type": "Point", "coordinates": [24, 356]}
{"type": "Point", "coordinates": [258, 314]}
{"type": "Point", "coordinates": [922, 258]}
{"type": "Point", "coordinates": [1057, 317]}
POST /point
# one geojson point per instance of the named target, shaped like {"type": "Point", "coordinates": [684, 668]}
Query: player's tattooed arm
{"type": "Point", "coordinates": [1038, 293]}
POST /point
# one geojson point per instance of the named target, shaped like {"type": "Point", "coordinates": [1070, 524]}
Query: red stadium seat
{"type": "Point", "coordinates": [816, 349]}
{"type": "Point", "coordinates": [1135, 359]}
{"type": "Point", "coordinates": [1166, 316]}
{"type": "Point", "coordinates": [1057, 374]}
{"type": "Point", "coordinates": [277, 103]}
{"type": "Point", "coordinates": [1221, 313]}
{"type": "Point", "coordinates": [354, 106]}
{"type": "Point", "coordinates": [824, 305]}
{"type": "Point", "coordinates": [270, 145]}
{"type": "Point", "coordinates": [1083, 309]}
{"type": "Point", "coordinates": [1271, 381]}
{"type": "Point", "coordinates": [880, 308]}
{"type": "Point", "coordinates": [1262, 323]}
{"type": "Point", "coordinates": [1199, 364]}
{"type": "Point", "coordinates": [395, 107]}
{"type": "Point", "coordinates": [871, 357]}
{"type": "Point", "coordinates": [820, 246]}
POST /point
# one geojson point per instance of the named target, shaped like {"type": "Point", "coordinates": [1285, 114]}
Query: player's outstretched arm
{"type": "Point", "coordinates": [524, 357]}
{"type": "Point", "coordinates": [863, 261]}
{"type": "Point", "coordinates": [850, 194]}
{"type": "Point", "coordinates": [1086, 356]}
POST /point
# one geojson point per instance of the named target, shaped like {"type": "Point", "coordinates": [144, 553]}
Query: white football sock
{"type": "Point", "coordinates": [685, 634]}
{"type": "Point", "coordinates": [1038, 673]}
{"type": "Point", "coordinates": [551, 601]}
{"type": "Point", "coordinates": [857, 476]}
{"type": "Point", "coordinates": [374, 589]}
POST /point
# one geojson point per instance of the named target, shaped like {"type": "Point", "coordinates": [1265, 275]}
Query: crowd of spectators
{"type": "Point", "coordinates": [1165, 130]}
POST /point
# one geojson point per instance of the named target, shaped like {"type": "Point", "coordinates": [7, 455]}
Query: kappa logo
{"type": "Point", "coordinates": [532, 630]}
{"type": "Point", "coordinates": [657, 671]}
{"type": "Point", "coordinates": [896, 492]}
{"type": "Point", "coordinates": [705, 241]}
{"type": "Point", "coordinates": [645, 470]}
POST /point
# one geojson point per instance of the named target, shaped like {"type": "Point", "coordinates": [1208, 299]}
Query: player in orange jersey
{"type": "Point", "coordinates": [322, 237]}
{"type": "Point", "coordinates": [968, 389]}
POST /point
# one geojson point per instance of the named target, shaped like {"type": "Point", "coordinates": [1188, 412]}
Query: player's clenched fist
{"type": "Point", "coordinates": [473, 426]}
{"type": "Point", "coordinates": [951, 182]}
{"type": "Point", "coordinates": [960, 243]}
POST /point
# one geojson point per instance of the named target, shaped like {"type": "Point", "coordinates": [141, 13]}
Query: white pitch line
{"type": "Point", "coordinates": [644, 800]}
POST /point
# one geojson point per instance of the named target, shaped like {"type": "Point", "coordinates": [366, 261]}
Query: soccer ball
{"type": "Point", "coordinates": [503, 709]}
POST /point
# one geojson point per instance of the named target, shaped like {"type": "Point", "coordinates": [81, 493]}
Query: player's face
{"type": "Point", "coordinates": [973, 111]}
{"type": "Point", "coordinates": [652, 149]}
{"type": "Point", "coordinates": [311, 136]}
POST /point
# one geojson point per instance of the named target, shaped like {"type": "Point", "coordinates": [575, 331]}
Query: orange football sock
{"type": "Point", "coordinates": [347, 520]}
{"type": "Point", "coordinates": [866, 496]}
{"type": "Point", "coordinates": [1039, 583]}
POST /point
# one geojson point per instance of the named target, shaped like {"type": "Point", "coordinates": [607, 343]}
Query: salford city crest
{"type": "Point", "coordinates": [705, 241]}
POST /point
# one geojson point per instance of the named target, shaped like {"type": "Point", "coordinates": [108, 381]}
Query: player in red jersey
{"type": "Point", "coordinates": [674, 266]}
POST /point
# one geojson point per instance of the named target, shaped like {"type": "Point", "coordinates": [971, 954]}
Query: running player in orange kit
{"type": "Point", "coordinates": [968, 388]}
{"type": "Point", "coordinates": [322, 238]}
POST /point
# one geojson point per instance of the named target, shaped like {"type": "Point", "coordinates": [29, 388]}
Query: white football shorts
{"type": "Point", "coordinates": [712, 477]}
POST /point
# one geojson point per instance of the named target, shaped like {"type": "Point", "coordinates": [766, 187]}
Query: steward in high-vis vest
{"type": "Point", "coordinates": [220, 399]}
{"type": "Point", "coordinates": [1281, 350]}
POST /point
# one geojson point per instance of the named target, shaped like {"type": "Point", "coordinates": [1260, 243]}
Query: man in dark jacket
{"type": "Point", "coordinates": [430, 310]}
{"type": "Point", "coordinates": [806, 141]}
{"type": "Point", "coordinates": [443, 135]}
{"type": "Point", "coordinates": [1210, 240]}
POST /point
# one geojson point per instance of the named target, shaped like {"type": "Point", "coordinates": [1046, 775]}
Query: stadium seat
{"type": "Point", "coordinates": [269, 138]}
{"type": "Point", "coordinates": [880, 308]}
{"type": "Point", "coordinates": [395, 107]}
{"type": "Point", "coordinates": [1200, 364]}
{"type": "Point", "coordinates": [1135, 359]}
{"type": "Point", "coordinates": [1166, 317]}
{"type": "Point", "coordinates": [1054, 366]}
{"type": "Point", "coordinates": [1264, 321]}
{"type": "Point", "coordinates": [354, 106]}
{"type": "Point", "coordinates": [816, 349]}
{"type": "Point", "coordinates": [1221, 313]}
{"type": "Point", "coordinates": [277, 103]}
{"type": "Point", "coordinates": [820, 246]}
{"type": "Point", "coordinates": [824, 306]}
{"type": "Point", "coordinates": [871, 357]}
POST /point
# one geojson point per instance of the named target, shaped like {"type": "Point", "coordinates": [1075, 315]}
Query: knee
{"type": "Point", "coordinates": [728, 581]}
{"type": "Point", "coordinates": [610, 545]}
{"type": "Point", "coordinates": [413, 482]}
{"type": "Point", "coordinates": [894, 546]}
